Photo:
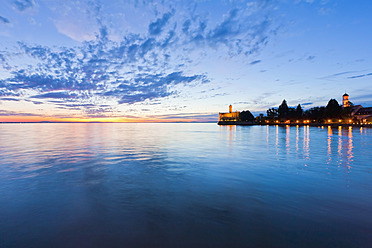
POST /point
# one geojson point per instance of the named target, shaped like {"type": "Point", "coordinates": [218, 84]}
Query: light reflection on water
{"type": "Point", "coordinates": [184, 185]}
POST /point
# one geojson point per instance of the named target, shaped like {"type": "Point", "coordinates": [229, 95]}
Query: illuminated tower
{"type": "Point", "coordinates": [230, 108]}
{"type": "Point", "coordinates": [345, 100]}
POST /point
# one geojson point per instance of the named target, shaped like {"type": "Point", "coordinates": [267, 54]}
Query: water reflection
{"type": "Point", "coordinates": [297, 137]}
{"type": "Point", "coordinates": [350, 146]}
{"type": "Point", "coordinates": [338, 143]}
{"type": "Point", "coordinates": [231, 132]}
{"type": "Point", "coordinates": [306, 142]}
{"type": "Point", "coordinates": [342, 144]}
{"type": "Point", "coordinates": [329, 142]}
{"type": "Point", "coordinates": [157, 185]}
{"type": "Point", "coordinates": [287, 138]}
{"type": "Point", "coordinates": [277, 139]}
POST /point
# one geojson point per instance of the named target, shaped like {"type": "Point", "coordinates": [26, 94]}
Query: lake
{"type": "Point", "coordinates": [184, 185]}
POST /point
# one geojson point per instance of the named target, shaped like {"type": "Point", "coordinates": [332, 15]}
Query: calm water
{"type": "Point", "coordinates": [184, 185]}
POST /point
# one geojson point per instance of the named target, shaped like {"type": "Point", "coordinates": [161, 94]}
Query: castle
{"type": "Point", "coordinates": [230, 116]}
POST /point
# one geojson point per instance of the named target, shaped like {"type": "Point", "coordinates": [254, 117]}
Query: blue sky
{"type": "Point", "coordinates": [179, 60]}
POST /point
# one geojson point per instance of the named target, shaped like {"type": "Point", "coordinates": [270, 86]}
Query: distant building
{"type": "Point", "coordinates": [358, 112]}
{"type": "Point", "coordinates": [364, 115]}
{"type": "Point", "coordinates": [230, 116]}
{"type": "Point", "coordinates": [345, 100]}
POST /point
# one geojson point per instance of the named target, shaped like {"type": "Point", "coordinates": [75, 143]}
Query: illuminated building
{"type": "Point", "coordinates": [230, 116]}
{"type": "Point", "coordinates": [345, 100]}
{"type": "Point", "coordinates": [358, 112]}
{"type": "Point", "coordinates": [364, 115]}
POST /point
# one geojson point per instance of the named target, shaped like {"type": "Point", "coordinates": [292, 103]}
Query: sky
{"type": "Point", "coordinates": [179, 61]}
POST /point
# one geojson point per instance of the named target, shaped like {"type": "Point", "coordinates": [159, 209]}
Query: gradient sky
{"type": "Point", "coordinates": [153, 60]}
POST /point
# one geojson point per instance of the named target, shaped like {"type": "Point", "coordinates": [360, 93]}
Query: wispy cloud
{"type": "Point", "coordinates": [23, 5]}
{"type": "Point", "coordinates": [255, 62]}
{"type": "Point", "coordinates": [338, 74]}
{"type": "Point", "coordinates": [14, 113]}
{"type": "Point", "coordinates": [360, 76]}
{"type": "Point", "coordinates": [155, 28]}
{"type": "Point", "coordinates": [306, 103]}
{"type": "Point", "coordinates": [57, 95]}
{"type": "Point", "coordinates": [4, 20]}
{"type": "Point", "coordinates": [9, 99]}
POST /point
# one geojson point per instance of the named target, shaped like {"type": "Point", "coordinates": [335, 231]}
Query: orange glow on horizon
{"type": "Point", "coordinates": [6, 119]}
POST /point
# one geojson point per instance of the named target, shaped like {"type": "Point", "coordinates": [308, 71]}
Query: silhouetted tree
{"type": "Point", "coordinates": [272, 113]}
{"type": "Point", "coordinates": [246, 116]}
{"type": "Point", "coordinates": [299, 111]}
{"type": "Point", "coordinates": [292, 114]}
{"type": "Point", "coordinates": [316, 113]}
{"type": "Point", "coordinates": [283, 109]}
{"type": "Point", "coordinates": [333, 109]}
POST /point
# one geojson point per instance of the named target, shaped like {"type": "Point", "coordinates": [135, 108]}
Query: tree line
{"type": "Point", "coordinates": [333, 110]}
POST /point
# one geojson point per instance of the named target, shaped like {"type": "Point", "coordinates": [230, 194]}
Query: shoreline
{"type": "Point", "coordinates": [242, 123]}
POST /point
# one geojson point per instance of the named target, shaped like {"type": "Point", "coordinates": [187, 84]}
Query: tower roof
{"type": "Point", "coordinates": [345, 94]}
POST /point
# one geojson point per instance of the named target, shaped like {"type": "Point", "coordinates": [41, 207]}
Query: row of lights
{"type": "Point", "coordinates": [307, 121]}
{"type": "Point", "coordinates": [341, 120]}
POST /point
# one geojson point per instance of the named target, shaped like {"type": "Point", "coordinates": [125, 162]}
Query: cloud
{"type": "Point", "coordinates": [255, 62]}
{"type": "Point", "coordinates": [364, 96]}
{"type": "Point", "coordinates": [149, 87]}
{"type": "Point", "coordinates": [57, 95]}
{"type": "Point", "coordinates": [306, 103]}
{"type": "Point", "coordinates": [360, 76]}
{"type": "Point", "coordinates": [362, 99]}
{"type": "Point", "coordinates": [141, 67]}
{"type": "Point", "coordinates": [13, 113]}
{"type": "Point", "coordinates": [4, 63]}
{"type": "Point", "coordinates": [335, 75]}
{"type": "Point", "coordinates": [309, 58]}
{"type": "Point", "coordinates": [78, 20]}
{"type": "Point", "coordinates": [4, 20]}
{"type": "Point", "coordinates": [75, 30]}
{"type": "Point", "coordinates": [23, 5]}
{"type": "Point", "coordinates": [155, 28]}
{"type": "Point", "coordinates": [226, 29]}
{"type": "Point", "coordinates": [9, 99]}
{"type": "Point", "coordinates": [94, 70]}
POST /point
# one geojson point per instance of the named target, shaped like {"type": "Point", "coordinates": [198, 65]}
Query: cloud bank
{"type": "Point", "coordinates": [138, 67]}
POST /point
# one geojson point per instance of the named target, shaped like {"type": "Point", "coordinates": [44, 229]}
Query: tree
{"type": "Point", "coordinates": [272, 113]}
{"type": "Point", "coordinates": [333, 109]}
{"type": "Point", "coordinates": [299, 111]}
{"type": "Point", "coordinates": [246, 116]}
{"type": "Point", "coordinates": [283, 109]}
{"type": "Point", "coordinates": [316, 113]}
{"type": "Point", "coordinates": [292, 114]}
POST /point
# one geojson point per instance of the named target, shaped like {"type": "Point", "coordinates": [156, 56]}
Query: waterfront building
{"type": "Point", "coordinates": [230, 116]}
{"type": "Point", "coordinates": [364, 115]}
{"type": "Point", "coordinates": [358, 112]}
{"type": "Point", "coordinates": [345, 100]}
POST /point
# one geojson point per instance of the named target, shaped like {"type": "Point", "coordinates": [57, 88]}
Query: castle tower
{"type": "Point", "coordinates": [230, 108]}
{"type": "Point", "coordinates": [345, 100]}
